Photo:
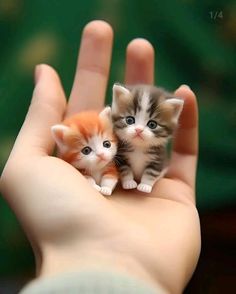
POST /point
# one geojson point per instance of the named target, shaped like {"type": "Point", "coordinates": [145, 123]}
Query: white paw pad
{"type": "Point", "coordinates": [106, 191]}
{"type": "Point", "coordinates": [144, 188]}
{"type": "Point", "coordinates": [131, 184]}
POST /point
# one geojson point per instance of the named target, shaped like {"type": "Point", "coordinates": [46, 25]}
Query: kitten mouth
{"type": "Point", "coordinates": [101, 160]}
{"type": "Point", "coordinates": [138, 136]}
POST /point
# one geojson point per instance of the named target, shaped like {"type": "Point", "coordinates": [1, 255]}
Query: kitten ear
{"type": "Point", "coordinates": [58, 133]}
{"type": "Point", "coordinates": [106, 113]}
{"type": "Point", "coordinates": [119, 90]}
{"type": "Point", "coordinates": [120, 98]}
{"type": "Point", "coordinates": [177, 105]}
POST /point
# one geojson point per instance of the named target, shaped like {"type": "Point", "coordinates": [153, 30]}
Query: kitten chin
{"type": "Point", "coordinates": [144, 143]}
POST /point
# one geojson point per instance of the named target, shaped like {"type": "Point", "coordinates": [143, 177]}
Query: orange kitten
{"type": "Point", "coordinates": [86, 140]}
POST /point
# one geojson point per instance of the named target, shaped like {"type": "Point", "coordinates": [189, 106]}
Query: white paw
{"type": "Point", "coordinates": [144, 188]}
{"type": "Point", "coordinates": [98, 188]}
{"type": "Point", "coordinates": [106, 191]}
{"type": "Point", "coordinates": [130, 184]}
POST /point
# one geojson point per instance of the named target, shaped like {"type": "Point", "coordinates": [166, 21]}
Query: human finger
{"type": "Point", "coordinates": [89, 87]}
{"type": "Point", "coordinates": [185, 143]}
{"type": "Point", "coordinates": [46, 109]}
{"type": "Point", "coordinates": [139, 62]}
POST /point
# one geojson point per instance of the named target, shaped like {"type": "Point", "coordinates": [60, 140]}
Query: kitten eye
{"type": "Point", "coordinates": [86, 150]}
{"type": "Point", "coordinates": [107, 144]}
{"type": "Point", "coordinates": [152, 124]}
{"type": "Point", "coordinates": [130, 120]}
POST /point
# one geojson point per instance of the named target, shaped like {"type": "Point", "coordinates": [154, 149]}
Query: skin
{"type": "Point", "coordinates": [70, 225]}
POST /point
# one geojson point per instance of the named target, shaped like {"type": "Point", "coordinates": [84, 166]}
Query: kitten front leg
{"type": "Point", "coordinates": [108, 184]}
{"type": "Point", "coordinates": [127, 177]}
{"type": "Point", "coordinates": [93, 183]}
{"type": "Point", "coordinates": [151, 175]}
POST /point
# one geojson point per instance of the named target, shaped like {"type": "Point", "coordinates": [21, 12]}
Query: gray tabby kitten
{"type": "Point", "coordinates": [144, 118]}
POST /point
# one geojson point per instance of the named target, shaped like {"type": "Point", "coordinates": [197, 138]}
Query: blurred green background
{"type": "Point", "coordinates": [194, 43]}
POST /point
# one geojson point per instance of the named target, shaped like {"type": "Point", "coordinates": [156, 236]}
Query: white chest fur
{"type": "Point", "coordinates": [137, 160]}
{"type": "Point", "coordinates": [97, 175]}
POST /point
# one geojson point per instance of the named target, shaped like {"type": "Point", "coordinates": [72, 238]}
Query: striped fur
{"type": "Point", "coordinates": [141, 153]}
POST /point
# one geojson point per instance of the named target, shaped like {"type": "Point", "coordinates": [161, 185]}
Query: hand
{"type": "Point", "coordinates": [70, 225]}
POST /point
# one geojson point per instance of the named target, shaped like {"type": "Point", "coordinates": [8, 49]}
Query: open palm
{"type": "Point", "coordinates": [154, 237]}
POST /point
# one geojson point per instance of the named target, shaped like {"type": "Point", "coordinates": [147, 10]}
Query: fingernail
{"type": "Point", "coordinates": [37, 73]}
{"type": "Point", "coordinates": [186, 86]}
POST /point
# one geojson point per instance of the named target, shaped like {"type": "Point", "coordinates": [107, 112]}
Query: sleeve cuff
{"type": "Point", "coordinates": [89, 282]}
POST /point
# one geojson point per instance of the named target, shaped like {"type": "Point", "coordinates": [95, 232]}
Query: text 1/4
{"type": "Point", "coordinates": [216, 14]}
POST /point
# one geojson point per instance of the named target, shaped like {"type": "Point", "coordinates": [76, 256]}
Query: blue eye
{"type": "Point", "coordinates": [152, 124]}
{"type": "Point", "coordinates": [130, 120]}
{"type": "Point", "coordinates": [86, 150]}
{"type": "Point", "coordinates": [107, 144]}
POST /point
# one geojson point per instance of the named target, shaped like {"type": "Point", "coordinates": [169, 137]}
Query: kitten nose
{"type": "Point", "coordinates": [101, 156]}
{"type": "Point", "coordinates": [138, 130]}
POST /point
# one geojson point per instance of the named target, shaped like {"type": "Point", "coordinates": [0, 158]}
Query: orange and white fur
{"type": "Point", "coordinates": [86, 140]}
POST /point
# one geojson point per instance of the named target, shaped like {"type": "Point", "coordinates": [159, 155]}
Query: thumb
{"type": "Point", "coordinates": [46, 109]}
